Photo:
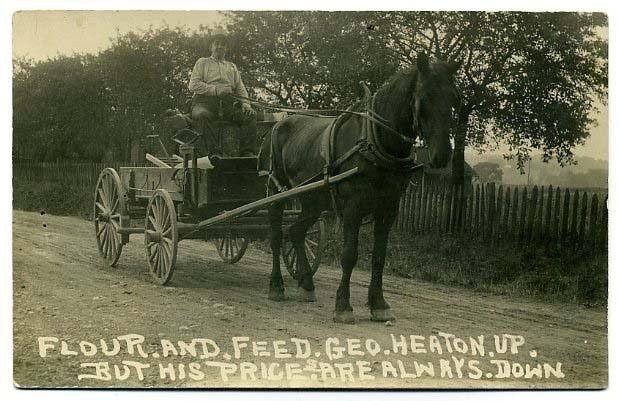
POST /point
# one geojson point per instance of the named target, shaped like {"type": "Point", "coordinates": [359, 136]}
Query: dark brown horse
{"type": "Point", "coordinates": [416, 102]}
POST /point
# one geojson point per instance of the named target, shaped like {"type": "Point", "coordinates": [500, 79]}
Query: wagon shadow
{"type": "Point", "coordinates": [198, 267]}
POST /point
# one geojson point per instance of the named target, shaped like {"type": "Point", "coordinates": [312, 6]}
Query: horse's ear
{"type": "Point", "coordinates": [423, 65]}
{"type": "Point", "coordinates": [454, 66]}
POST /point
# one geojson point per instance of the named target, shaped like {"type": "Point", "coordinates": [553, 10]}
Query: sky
{"type": "Point", "coordinates": [44, 34]}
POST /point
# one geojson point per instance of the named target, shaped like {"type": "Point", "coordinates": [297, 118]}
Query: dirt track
{"type": "Point", "coordinates": [62, 290]}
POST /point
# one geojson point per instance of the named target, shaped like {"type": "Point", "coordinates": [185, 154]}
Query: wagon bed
{"type": "Point", "coordinates": [225, 204]}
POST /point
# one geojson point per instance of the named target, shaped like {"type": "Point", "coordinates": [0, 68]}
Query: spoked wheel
{"type": "Point", "coordinates": [108, 208]}
{"type": "Point", "coordinates": [231, 248]}
{"type": "Point", "coordinates": [161, 236]}
{"type": "Point", "coordinates": [313, 249]}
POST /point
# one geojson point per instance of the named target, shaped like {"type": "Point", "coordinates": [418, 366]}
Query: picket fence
{"type": "Point", "coordinates": [544, 215]}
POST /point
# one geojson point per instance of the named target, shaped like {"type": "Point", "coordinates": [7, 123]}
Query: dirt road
{"type": "Point", "coordinates": [231, 335]}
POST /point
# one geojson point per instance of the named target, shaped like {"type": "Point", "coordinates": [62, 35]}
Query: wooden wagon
{"type": "Point", "coordinates": [169, 203]}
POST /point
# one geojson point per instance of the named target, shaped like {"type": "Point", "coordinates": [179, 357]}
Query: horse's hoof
{"type": "Point", "coordinates": [346, 317]}
{"type": "Point", "coordinates": [306, 296]}
{"type": "Point", "coordinates": [382, 315]}
{"type": "Point", "coordinates": [276, 295]}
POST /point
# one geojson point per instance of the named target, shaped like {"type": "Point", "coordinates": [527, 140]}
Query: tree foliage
{"type": "Point", "coordinates": [58, 109]}
{"type": "Point", "coordinates": [81, 107]}
{"type": "Point", "coordinates": [309, 58]}
{"type": "Point", "coordinates": [528, 80]}
{"type": "Point", "coordinates": [488, 172]}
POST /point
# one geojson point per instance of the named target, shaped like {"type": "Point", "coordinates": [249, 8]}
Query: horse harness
{"type": "Point", "coordinates": [368, 145]}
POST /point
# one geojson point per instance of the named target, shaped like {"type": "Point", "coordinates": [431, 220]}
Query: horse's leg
{"type": "Point", "coordinates": [276, 285]}
{"type": "Point", "coordinates": [298, 231]}
{"type": "Point", "coordinates": [383, 220]}
{"type": "Point", "coordinates": [352, 222]}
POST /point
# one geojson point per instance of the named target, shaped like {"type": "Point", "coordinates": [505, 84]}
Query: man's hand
{"type": "Point", "coordinates": [224, 90]}
{"type": "Point", "coordinates": [247, 110]}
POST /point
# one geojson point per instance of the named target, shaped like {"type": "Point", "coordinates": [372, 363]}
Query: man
{"type": "Point", "coordinates": [212, 81]}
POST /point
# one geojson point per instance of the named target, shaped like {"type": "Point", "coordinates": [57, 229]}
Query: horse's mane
{"type": "Point", "coordinates": [393, 86]}
{"type": "Point", "coordinates": [400, 81]}
{"type": "Point", "coordinates": [389, 97]}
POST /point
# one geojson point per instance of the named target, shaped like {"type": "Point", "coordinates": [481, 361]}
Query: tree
{"type": "Point", "coordinates": [145, 74]}
{"type": "Point", "coordinates": [308, 59]}
{"type": "Point", "coordinates": [80, 107]}
{"type": "Point", "coordinates": [58, 109]}
{"type": "Point", "coordinates": [528, 79]}
{"type": "Point", "coordinates": [488, 172]}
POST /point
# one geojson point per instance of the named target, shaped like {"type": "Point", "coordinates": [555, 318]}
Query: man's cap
{"type": "Point", "coordinates": [219, 33]}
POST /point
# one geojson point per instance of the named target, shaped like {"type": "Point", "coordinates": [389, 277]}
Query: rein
{"type": "Point", "coordinates": [368, 144]}
{"type": "Point", "coordinates": [369, 114]}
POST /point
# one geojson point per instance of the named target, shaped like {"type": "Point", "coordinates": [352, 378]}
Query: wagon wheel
{"type": "Point", "coordinates": [230, 248]}
{"type": "Point", "coordinates": [313, 249]}
{"type": "Point", "coordinates": [161, 236]}
{"type": "Point", "coordinates": [108, 207]}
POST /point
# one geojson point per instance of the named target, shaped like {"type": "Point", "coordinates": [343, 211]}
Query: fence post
{"type": "Point", "coordinates": [593, 223]}
{"type": "Point", "coordinates": [574, 217]}
{"type": "Point", "coordinates": [491, 208]}
{"type": "Point", "coordinates": [514, 226]}
{"type": "Point", "coordinates": [428, 219]}
{"type": "Point", "coordinates": [430, 203]}
{"type": "Point", "coordinates": [398, 219]}
{"type": "Point", "coordinates": [522, 221]}
{"type": "Point", "coordinates": [477, 201]}
{"type": "Point", "coordinates": [531, 212]}
{"type": "Point", "coordinates": [469, 209]}
{"type": "Point", "coordinates": [604, 224]}
{"type": "Point", "coordinates": [408, 206]}
{"type": "Point", "coordinates": [583, 218]}
{"type": "Point", "coordinates": [505, 216]}
{"type": "Point", "coordinates": [538, 222]}
{"type": "Point", "coordinates": [403, 212]}
{"type": "Point", "coordinates": [411, 208]}
{"type": "Point", "coordinates": [418, 211]}
{"type": "Point", "coordinates": [548, 219]}
{"type": "Point", "coordinates": [500, 204]}
{"type": "Point", "coordinates": [422, 213]}
{"type": "Point", "coordinates": [438, 207]}
{"type": "Point", "coordinates": [461, 208]}
{"type": "Point", "coordinates": [564, 217]}
{"type": "Point", "coordinates": [450, 203]}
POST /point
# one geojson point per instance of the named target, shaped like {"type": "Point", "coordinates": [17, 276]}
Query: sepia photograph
{"type": "Point", "coordinates": [310, 199]}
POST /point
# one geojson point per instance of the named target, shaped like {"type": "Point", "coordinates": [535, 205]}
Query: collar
{"type": "Point", "coordinates": [222, 61]}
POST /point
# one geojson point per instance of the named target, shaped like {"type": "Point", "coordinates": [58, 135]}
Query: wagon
{"type": "Point", "coordinates": [166, 203]}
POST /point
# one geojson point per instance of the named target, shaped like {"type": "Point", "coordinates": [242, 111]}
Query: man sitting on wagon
{"type": "Point", "coordinates": [212, 81]}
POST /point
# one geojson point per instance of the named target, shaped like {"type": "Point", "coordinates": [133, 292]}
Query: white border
{"type": "Point", "coordinates": [9, 6]}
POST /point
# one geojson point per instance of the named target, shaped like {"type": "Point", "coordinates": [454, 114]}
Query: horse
{"type": "Point", "coordinates": [414, 103]}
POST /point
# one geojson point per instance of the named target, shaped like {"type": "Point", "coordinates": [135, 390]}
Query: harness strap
{"type": "Point", "coordinates": [369, 114]}
{"type": "Point", "coordinates": [368, 145]}
{"type": "Point", "coordinates": [329, 168]}
{"type": "Point", "coordinates": [376, 153]}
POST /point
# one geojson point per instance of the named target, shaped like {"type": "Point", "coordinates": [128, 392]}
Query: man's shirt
{"type": "Point", "coordinates": [208, 73]}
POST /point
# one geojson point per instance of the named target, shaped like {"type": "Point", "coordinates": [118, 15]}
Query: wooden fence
{"type": "Point", "coordinates": [524, 215]}
{"type": "Point", "coordinates": [79, 174]}
{"type": "Point", "coordinates": [544, 215]}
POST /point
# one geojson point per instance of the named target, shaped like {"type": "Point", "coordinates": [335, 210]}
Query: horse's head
{"type": "Point", "coordinates": [434, 99]}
